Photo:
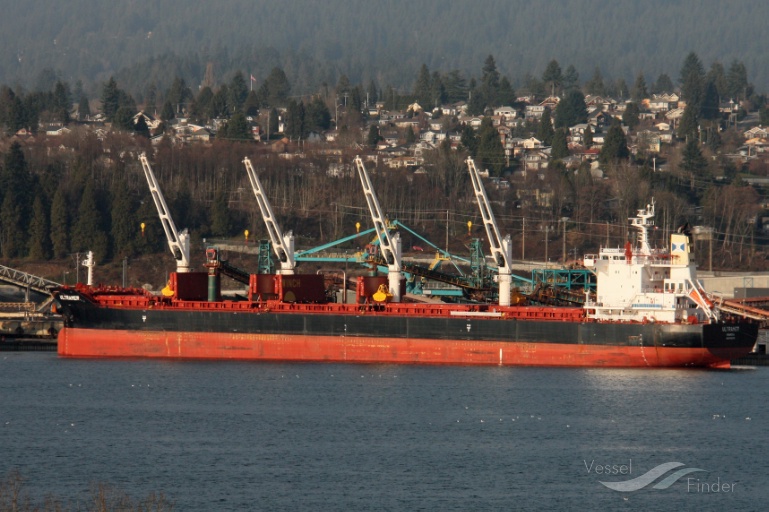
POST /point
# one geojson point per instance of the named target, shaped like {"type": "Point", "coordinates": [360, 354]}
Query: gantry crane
{"type": "Point", "coordinates": [179, 243]}
{"type": "Point", "coordinates": [501, 249]}
{"type": "Point", "coordinates": [390, 247]}
{"type": "Point", "coordinates": [282, 245]}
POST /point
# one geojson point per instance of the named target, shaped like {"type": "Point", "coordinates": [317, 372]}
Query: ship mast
{"type": "Point", "coordinates": [282, 245]}
{"type": "Point", "coordinates": [501, 249]}
{"type": "Point", "coordinates": [179, 243]}
{"type": "Point", "coordinates": [643, 222]}
{"type": "Point", "coordinates": [390, 248]}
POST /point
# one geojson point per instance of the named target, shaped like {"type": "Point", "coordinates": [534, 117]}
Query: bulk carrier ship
{"type": "Point", "coordinates": [648, 310]}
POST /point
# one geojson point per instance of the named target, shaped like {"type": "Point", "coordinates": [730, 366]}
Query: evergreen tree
{"type": "Point", "coordinates": [238, 91]}
{"type": "Point", "coordinates": [373, 137]}
{"type": "Point", "coordinates": [469, 140]}
{"type": "Point", "coordinates": [179, 94]}
{"type": "Point", "coordinates": [219, 106]}
{"type": "Point", "coordinates": [552, 77]}
{"type": "Point", "coordinates": [692, 80]}
{"type": "Point", "coordinates": [437, 91]}
{"type": "Point", "coordinates": [221, 220]}
{"type": "Point", "coordinates": [83, 108]}
{"type": "Point", "coordinates": [274, 91]}
{"type": "Point", "coordinates": [317, 116]}
{"type": "Point", "coordinates": [630, 117]}
{"type": "Point", "coordinates": [167, 112]}
{"type": "Point", "coordinates": [39, 231]}
{"type": "Point", "coordinates": [595, 85]}
{"type": "Point", "coordinates": [411, 137]}
{"type": "Point", "coordinates": [560, 147]}
{"type": "Point", "coordinates": [237, 128]}
{"type": "Point", "coordinates": [199, 109]}
{"type": "Point", "coordinates": [506, 92]}
{"type": "Point", "coordinates": [12, 233]}
{"type": "Point", "coordinates": [373, 95]}
{"type": "Point", "coordinates": [587, 137]}
{"type": "Point", "coordinates": [61, 102]}
{"type": "Point", "coordinates": [88, 233]}
{"type": "Point", "coordinates": [692, 160]}
{"type": "Point", "coordinates": [251, 106]}
{"type": "Point", "coordinates": [295, 120]}
{"type": "Point", "coordinates": [737, 80]}
{"type": "Point", "coordinates": [663, 84]}
{"type": "Point", "coordinates": [710, 108]}
{"type": "Point", "coordinates": [60, 224]}
{"type": "Point", "coordinates": [110, 99]}
{"type": "Point", "coordinates": [688, 126]}
{"type": "Point", "coordinates": [614, 146]}
{"type": "Point", "coordinates": [124, 119]}
{"type": "Point", "coordinates": [477, 105]}
{"type": "Point", "coordinates": [570, 78]}
{"type": "Point", "coordinates": [571, 110]}
{"type": "Point", "coordinates": [490, 154]}
{"type": "Point", "coordinates": [422, 92]}
{"type": "Point", "coordinates": [456, 86]}
{"type": "Point", "coordinates": [717, 76]}
{"type": "Point", "coordinates": [545, 130]}
{"type": "Point", "coordinates": [124, 223]}
{"type": "Point", "coordinates": [639, 92]}
{"type": "Point", "coordinates": [490, 82]}
{"type": "Point", "coordinates": [141, 128]}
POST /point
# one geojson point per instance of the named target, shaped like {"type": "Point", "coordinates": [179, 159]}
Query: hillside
{"type": "Point", "coordinates": [386, 41]}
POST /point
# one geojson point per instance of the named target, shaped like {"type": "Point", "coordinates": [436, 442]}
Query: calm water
{"type": "Point", "coordinates": [243, 436]}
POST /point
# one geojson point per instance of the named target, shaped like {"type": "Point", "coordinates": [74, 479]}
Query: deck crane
{"type": "Point", "coordinates": [179, 243]}
{"type": "Point", "coordinates": [390, 247]}
{"type": "Point", "coordinates": [501, 249]}
{"type": "Point", "coordinates": [283, 245]}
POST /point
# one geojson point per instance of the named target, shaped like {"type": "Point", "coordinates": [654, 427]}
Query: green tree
{"type": "Point", "coordinates": [179, 94]}
{"type": "Point", "coordinates": [763, 115]}
{"type": "Point", "coordinates": [663, 84]}
{"type": "Point", "coordinates": [717, 76]}
{"type": "Point", "coordinates": [422, 91]}
{"type": "Point", "coordinates": [545, 130]}
{"type": "Point", "coordinates": [560, 147]}
{"type": "Point", "coordinates": [295, 120]}
{"type": "Point", "coordinates": [411, 137]}
{"type": "Point", "coordinates": [552, 77]}
{"type": "Point", "coordinates": [490, 81]}
{"type": "Point", "coordinates": [373, 137]}
{"type": "Point", "coordinates": [221, 219]}
{"type": "Point", "coordinates": [692, 160]}
{"type": "Point", "coordinates": [199, 108]}
{"type": "Point", "coordinates": [317, 115]}
{"type": "Point", "coordinates": [688, 126]}
{"type": "Point", "coordinates": [692, 80]}
{"type": "Point", "coordinates": [490, 154]}
{"type": "Point", "coordinates": [373, 95]}
{"type": "Point", "coordinates": [737, 80]}
{"type": "Point", "coordinates": [614, 146]}
{"type": "Point", "coordinates": [506, 92]}
{"type": "Point", "coordinates": [587, 137]}
{"type": "Point", "coordinates": [124, 222]}
{"type": "Point", "coordinates": [571, 110]}
{"type": "Point", "coordinates": [596, 85]}
{"type": "Point", "coordinates": [237, 128]}
{"type": "Point", "coordinates": [709, 109]}
{"type": "Point", "coordinates": [274, 91]}
{"type": "Point", "coordinates": [124, 119]}
{"type": "Point", "coordinates": [437, 91]}
{"type": "Point", "coordinates": [469, 140]}
{"type": "Point", "coordinates": [477, 104]}
{"type": "Point", "coordinates": [570, 78]}
{"type": "Point", "coordinates": [12, 234]}
{"type": "Point", "coordinates": [456, 86]}
{"type": "Point", "coordinates": [60, 224]}
{"type": "Point", "coordinates": [88, 233]}
{"type": "Point", "coordinates": [167, 112]}
{"type": "Point", "coordinates": [83, 108]}
{"type": "Point", "coordinates": [39, 231]}
{"type": "Point", "coordinates": [110, 99]}
{"type": "Point", "coordinates": [639, 92]}
{"type": "Point", "coordinates": [630, 117]}
{"type": "Point", "coordinates": [238, 91]}
{"type": "Point", "coordinates": [251, 106]}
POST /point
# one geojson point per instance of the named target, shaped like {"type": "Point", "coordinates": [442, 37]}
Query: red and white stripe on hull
{"type": "Point", "coordinates": [76, 342]}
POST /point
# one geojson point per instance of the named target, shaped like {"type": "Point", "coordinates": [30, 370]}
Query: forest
{"type": "Point", "coordinates": [146, 42]}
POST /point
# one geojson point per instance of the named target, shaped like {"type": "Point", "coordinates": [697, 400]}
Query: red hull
{"type": "Point", "coordinates": [74, 342]}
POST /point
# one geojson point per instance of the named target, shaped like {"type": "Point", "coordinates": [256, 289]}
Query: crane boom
{"type": "Point", "coordinates": [282, 245]}
{"type": "Point", "coordinates": [501, 249]}
{"type": "Point", "coordinates": [390, 247]}
{"type": "Point", "coordinates": [179, 243]}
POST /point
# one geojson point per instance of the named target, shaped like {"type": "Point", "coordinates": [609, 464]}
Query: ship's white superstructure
{"type": "Point", "coordinates": [642, 284]}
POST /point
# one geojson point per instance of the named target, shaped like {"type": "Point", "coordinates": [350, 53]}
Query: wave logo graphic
{"type": "Point", "coordinates": [652, 475]}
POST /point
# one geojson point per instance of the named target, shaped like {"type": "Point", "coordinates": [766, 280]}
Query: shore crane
{"type": "Point", "coordinates": [179, 243]}
{"type": "Point", "coordinates": [390, 247]}
{"type": "Point", "coordinates": [282, 245]}
{"type": "Point", "coordinates": [501, 249]}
